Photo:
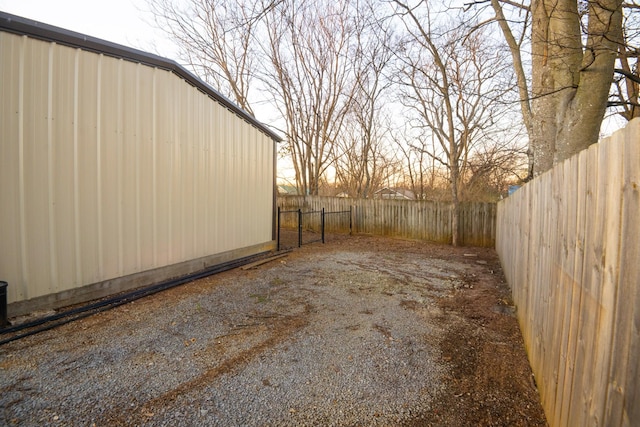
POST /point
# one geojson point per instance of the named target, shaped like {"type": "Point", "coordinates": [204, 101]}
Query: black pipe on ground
{"type": "Point", "coordinates": [112, 302]}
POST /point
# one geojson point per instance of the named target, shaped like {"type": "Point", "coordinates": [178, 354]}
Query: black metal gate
{"type": "Point", "coordinates": [301, 228]}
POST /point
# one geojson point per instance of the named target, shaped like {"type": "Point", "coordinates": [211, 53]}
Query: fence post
{"type": "Point", "coordinates": [351, 209]}
{"type": "Point", "coordinates": [322, 225]}
{"type": "Point", "coordinates": [299, 227]}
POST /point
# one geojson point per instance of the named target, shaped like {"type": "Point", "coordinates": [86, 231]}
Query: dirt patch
{"type": "Point", "coordinates": [491, 383]}
{"type": "Point", "coordinates": [359, 331]}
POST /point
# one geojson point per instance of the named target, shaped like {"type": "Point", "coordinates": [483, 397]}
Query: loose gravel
{"type": "Point", "coordinates": [333, 338]}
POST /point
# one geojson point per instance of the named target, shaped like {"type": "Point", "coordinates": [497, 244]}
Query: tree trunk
{"type": "Point", "coordinates": [570, 83]}
{"type": "Point", "coordinates": [455, 217]}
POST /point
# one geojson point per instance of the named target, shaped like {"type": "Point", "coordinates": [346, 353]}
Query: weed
{"type": "Point", "coordinates": [276, 281]}
{"type": "Point", "coordinates": [260, 298]}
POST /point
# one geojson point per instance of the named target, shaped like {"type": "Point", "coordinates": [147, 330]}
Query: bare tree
{"type": "Point", "coordinates": [493, 167]}
{"type": "Point", "coordinates": [420, 170]}
{"type": "Point", "coordinates": [454, 83]}
{"type": "Point", "coordinates": [573, 50]}
{"type": "Point", "coordinates": [309, 44]}
{"type": "Point", "coordinates": [624, 98]}
{"type": "Point", "coordinates": [216, 38]}
{"type": "Point", "coordinates": [363, 162]}
{"type": "Point", "coordinates": [363, 159]}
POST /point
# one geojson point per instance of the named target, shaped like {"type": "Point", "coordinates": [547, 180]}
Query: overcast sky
{"type": "Point", "coordinates": [119, 21]}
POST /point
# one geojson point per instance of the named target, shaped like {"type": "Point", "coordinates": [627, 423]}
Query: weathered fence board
{"type": "Point", "coordinates": [624, 387]}
{"type": "Point", "coordinates": [569, 243]}
{"type": "Point", "coordinates": [409, 219]}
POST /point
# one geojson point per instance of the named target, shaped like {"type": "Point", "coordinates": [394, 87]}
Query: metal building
{"type": "Point", "coordinates": [119, 168]}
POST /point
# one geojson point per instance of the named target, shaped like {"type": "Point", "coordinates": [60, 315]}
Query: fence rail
{"type": "Point", "coordinates": [569, 243]}
{"type": "Point", "coordinates": [410, 219]}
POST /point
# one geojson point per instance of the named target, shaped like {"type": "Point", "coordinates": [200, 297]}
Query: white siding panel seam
{"type": "Point", "coordinates": [154, 161]}
{"type": "Point", "coordinates": [138, 136]}
{"type": "Point", "coordinates": [76, 169]}
{"type": "Point", "coordinates": [51, 177]}
{"type": "Point", "coordinates": [98, 160]}
{"type": "Point", "coordinates": [120, 168]}
{"type": "Point", "coordinates": [21, 172]}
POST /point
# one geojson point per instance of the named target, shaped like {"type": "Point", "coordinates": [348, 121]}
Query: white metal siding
{"type": "Point", "coordinates": [109, 167]}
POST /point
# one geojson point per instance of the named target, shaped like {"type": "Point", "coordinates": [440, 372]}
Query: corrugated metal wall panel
{"type": "Point", "coordinates": [11, 154]}
{"type": "Point", "coordinates": [61, 181]}
{"type": "Point", "coordinates": [110, 167]}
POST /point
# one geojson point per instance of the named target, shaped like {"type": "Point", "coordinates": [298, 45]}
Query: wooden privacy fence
{"type": "Point", "coordinates": [569, 243]}
{"type": "Point", "coordinates": [410, 219]}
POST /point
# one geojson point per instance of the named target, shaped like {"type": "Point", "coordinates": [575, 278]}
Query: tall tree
{"type": "Point", "coordinates": [311, 79]}
{"type": "Point", "coordinates": [363, 158]}
{"type": "Point", "coordinates": [419, 168]}
{"type": "Point", "coordinates": [625, 94]}
{"type": "Point", "coordinates": [362, 165]}
{"type": "Point", "coordinates": [574, 44]}
{"type": "Point", "coordinates": [453, 82]}
{"type": "Point", "coordinates": [493, 167]}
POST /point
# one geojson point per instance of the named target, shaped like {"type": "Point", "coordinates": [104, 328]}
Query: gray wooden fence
{"type": "Point", "coordinates": [409, 219]}
{"type": "Point", "coordinates": [569, 243]}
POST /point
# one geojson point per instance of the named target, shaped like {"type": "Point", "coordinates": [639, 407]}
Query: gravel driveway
{"type": "Point", "coordinates": [360, 331]}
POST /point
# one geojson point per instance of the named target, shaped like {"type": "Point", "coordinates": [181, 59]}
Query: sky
{"type": "Point", "coordinates": [120, 21]}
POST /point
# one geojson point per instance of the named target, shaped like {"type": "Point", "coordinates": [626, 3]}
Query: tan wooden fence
{"type": "Point", "coordinates": [569, 243]}
{"type": "Point", "coordinates": [409, 219]}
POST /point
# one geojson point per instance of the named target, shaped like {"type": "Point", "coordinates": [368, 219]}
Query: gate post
{"type": "Point", "coordinates": [278, 235]}
{"type": "Point", "coordinates": [351, 209]}
{"type": "Point", "coordinates": [299, 227]}
{"type": "Point", "coordinates": [322, 225]}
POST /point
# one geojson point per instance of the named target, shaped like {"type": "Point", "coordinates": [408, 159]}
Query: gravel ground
{"type": "Point", "coordinates": [360, 331]}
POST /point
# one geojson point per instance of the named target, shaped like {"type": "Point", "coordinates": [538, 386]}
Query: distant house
{"type": "Point", "coordinates": [287, 190]}
{"type": "Point", "coordinates": [394, 194]}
